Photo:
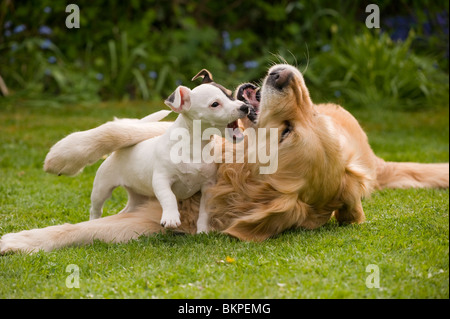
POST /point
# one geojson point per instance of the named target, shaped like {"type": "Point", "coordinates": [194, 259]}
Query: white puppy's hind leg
{"type": "Point", "coordinates": [104, 183]}
{"type": "Point", "coordinates": [98, 197]}
{"type": "Point", "coordinates": [134, 201]}
{"type": "Point", "coordinates": [203, 216]}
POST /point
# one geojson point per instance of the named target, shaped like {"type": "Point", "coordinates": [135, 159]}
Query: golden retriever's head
{"type": "Point", "coordinates": [254, 206]}
{"type": "Point", "coordinates": [305, 138]}
{"type": "Point", "coordinates": [284, 96]}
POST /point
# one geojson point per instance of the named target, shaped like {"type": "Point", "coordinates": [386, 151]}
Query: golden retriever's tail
{"type": "Point", "coordinates": [408, 175]}
{"type": "Point", "coordinates": [71, 154]}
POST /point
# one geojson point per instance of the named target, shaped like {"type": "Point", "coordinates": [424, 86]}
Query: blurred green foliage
{"type": "Point", "coordinates": [144, 49]}
{"type": "Point", "coordinates": [372, 70]}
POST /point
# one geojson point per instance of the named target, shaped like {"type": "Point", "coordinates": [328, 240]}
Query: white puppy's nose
{"type": "Point", "coordinates": [244, 108]}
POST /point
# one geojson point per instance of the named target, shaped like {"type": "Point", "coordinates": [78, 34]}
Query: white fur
{"type": "Point", "coordinates": [147, 170]}
{"type": "Point", "coordinates": [71, 154]}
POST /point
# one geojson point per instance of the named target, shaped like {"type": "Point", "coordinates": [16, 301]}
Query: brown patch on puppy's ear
{"type": "Point", "coordinates": [205, 74]}
{"type": "Point", "coordinates": [179, 100]}
{"type": "Point", "coordinates": [208, 79]}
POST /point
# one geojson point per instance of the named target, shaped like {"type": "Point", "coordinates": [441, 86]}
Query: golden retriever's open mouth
{"type": "Point", "coordinates": [250, 94]}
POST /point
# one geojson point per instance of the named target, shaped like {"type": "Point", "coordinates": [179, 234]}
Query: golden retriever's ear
{"type": "Point", "coordinates": [306, 103]}
{"type": "Point", "coordinates": [274, 218]}
{"type": "Point", "coordinates": [253, 229]}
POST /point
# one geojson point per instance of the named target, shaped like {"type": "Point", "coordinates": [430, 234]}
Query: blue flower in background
{"type": "Point", "coordinates": [326, 48]}
{"type": "Point", "coordinates": [232, 67]}
{"type": "Point", "coordinates": [14, 47]}
{"type": "Point", "coordinates": [19, 28]}
{"type": "Point", "coordinates": [152, 74]}
{"type": "Point", "coordinates": [51, 59]}
{"type": "Point", "coordinates": [251, 64]}
{"type": "Point", "coordinates": [227, 45]}
{"type": "Point", "coordinates": [400, 25]}
{"type": "Point", "coordinates": [45, 30]}
{"type": "Point", "coordinates": [99, 76]}
{"type": "Point", "coordinates": [427, 28]}
{"type": "Point", "coordinates": [337, 93]}
{"type": "Point", "coordinates": [7, 33]}
{"type": "Point", "coordinates": [47, 9]}
{"type": "Point", "coordinates": [178, 82]}
{"type": "Point", "coordinates": [47, 72]}
{"type": "Point", "coordinates": [237, 42]}
{"type": "Point", "coordinates": [46, 44]}
{"type": "Point", "coordinates": [142, 66]}
{"type": "Point", "coordinates": [442, 20]}
{"type": "Point", "coordinates": [7, 25]}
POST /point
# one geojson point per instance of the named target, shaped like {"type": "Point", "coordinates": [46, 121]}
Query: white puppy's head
{"type": "Point", "coordinates": [209, 102]}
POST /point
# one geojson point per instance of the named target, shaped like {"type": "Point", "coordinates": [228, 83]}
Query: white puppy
{"type": "Point", "coordinates": [147, 168]}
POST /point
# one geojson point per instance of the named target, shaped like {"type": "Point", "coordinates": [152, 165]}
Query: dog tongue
{"type": "Point", "coordinates": [235, 132]}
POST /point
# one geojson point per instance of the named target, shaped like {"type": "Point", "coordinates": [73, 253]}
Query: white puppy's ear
{"type": "Point", "coordinates": [179, 100]}
{"type": "Point", "coordinates": [205, 74]}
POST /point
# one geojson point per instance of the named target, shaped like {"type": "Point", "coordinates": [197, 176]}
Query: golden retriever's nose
{"type": "Point", "coordinates": [279, 77]}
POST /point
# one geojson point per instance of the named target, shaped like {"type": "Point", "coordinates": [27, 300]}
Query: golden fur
{"type": "Point", "coordinates": [325, 168]}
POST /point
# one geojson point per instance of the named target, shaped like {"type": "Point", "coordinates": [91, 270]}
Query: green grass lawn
{"type": "Point", "coordinates": [406, 234]}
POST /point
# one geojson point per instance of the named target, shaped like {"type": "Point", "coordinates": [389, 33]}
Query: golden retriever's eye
{"type": "Point", "coordinates": [215, 104]}
{"type": "Point", "coordinates": [287, 130]}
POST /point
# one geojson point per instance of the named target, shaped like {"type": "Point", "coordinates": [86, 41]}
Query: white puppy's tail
{"type": "Point", "coordinates": [71, 154]}
{"type": "Point", "coordinates": [156, 117]}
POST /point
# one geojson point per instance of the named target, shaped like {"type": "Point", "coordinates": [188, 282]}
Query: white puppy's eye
{"type": "Point", "coordinates": [215, 104]}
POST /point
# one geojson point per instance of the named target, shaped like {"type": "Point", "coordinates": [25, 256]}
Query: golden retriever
{"type": "Point", "coordinates": [325, 168]}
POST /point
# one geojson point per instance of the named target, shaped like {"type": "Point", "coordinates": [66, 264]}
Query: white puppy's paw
{"type": "Point", "coordinates": [202, 228]}
{"type": "Point", "coordinates": [170, 220]}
